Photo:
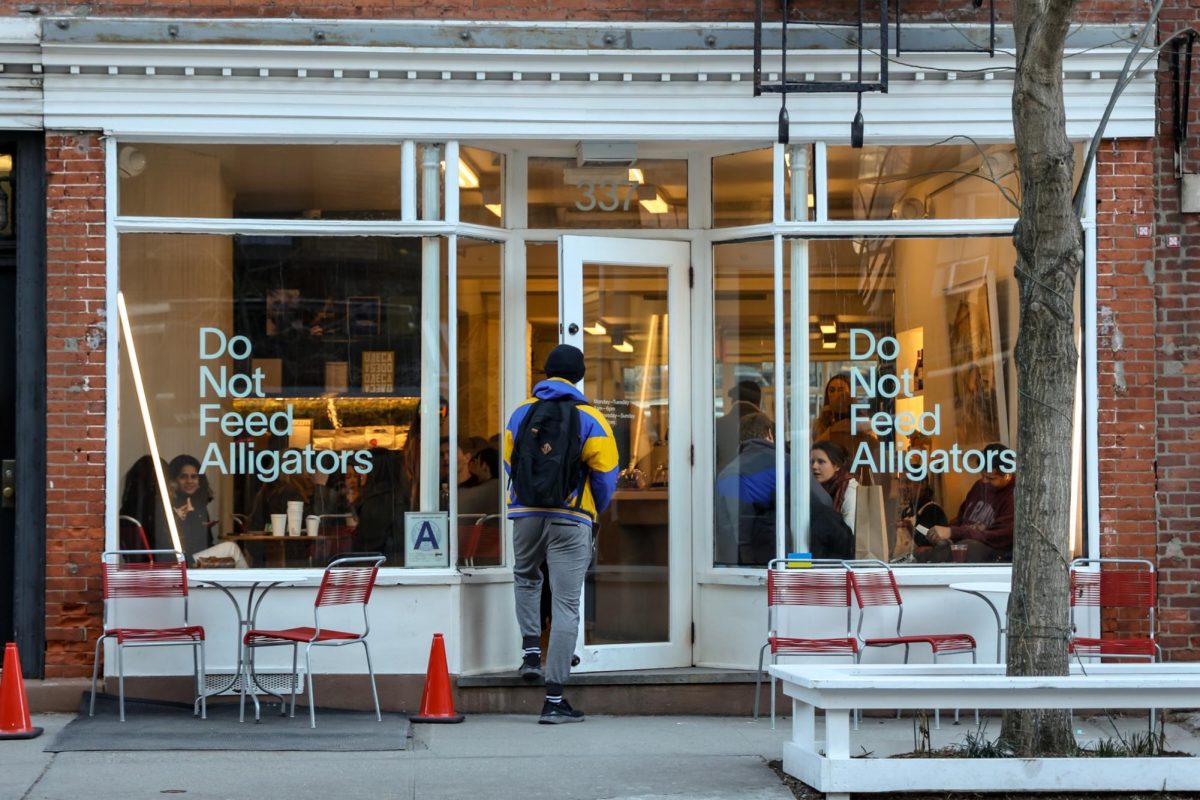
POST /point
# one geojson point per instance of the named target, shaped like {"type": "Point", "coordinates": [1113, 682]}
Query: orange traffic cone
{"type": "Point", "coordinates": [14, 708]}
{"type": "Point", "coordinates": [437, 705]}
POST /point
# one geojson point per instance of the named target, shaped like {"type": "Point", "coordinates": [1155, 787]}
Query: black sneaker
{"type": "Point", "coordinates": [531, 668]}
{"type": "Point", "coordinates": [558, 713]}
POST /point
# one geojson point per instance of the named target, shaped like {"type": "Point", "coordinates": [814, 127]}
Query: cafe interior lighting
{"type": "Point", "coordinates": [495, 208]}
{"type": "Point", "coordinates": [596, 329]}
{"type": "Point", "coordinates": [828, 325]}
{"type": "Point", "coordinates": [828, 341]}
{"type": "Point", "coordinates": [467, 179]}
{"type": "Point", "coordinates": [636, 176]}
{"type": "Point", "coordinates": [624, 346]}
{"type": "Point", "coordinates": [656, 206]}
{"type": "Point", "coordinates": [151, 440]}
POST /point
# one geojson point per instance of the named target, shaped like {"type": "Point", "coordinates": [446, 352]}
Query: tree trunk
{"type": "Point", "coordinates": [1049, 244]}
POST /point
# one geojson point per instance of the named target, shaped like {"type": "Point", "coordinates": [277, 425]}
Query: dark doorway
{"type": "Point", "coordinates": [8, 396]}
{"type": "Point", "coordinates": [23, 396]}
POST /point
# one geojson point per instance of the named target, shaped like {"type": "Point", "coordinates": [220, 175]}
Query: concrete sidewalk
{"type": "Point", "coordinates": [493, 756]}
{"type": "Point", "coordinates": [706, 758]}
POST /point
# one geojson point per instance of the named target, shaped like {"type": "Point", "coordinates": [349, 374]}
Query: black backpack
{"type": "Point", "coordinates": [547, 456]}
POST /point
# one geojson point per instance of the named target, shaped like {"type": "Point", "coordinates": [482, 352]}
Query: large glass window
{"type": "Point", "coordinates": [283, 376]}
{"type": "Point", "coordinates": [478, 452]}
{"type": "Point", "coordinates": [744, 517]}
{"type": "Point", "coordinates": [360, 182]}
{"type": "Point", "coordinates": [912, 392]}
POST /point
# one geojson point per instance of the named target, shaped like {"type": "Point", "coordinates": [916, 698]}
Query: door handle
{"type": "Point", "coordinates": [8, 483]}
{"type": "Point", "coordinates": [573, 329]}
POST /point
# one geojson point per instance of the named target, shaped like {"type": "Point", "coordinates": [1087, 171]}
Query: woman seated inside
{"type": "Point", "coordinates": [190, 496]}
{"type": "Point", "coordinates": [830, 466]}
{"type": "Point", "coordinates": [918, 513]}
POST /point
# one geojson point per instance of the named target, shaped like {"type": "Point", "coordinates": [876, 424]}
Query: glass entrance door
{"type": "Point", "coordinates": [620, 301]}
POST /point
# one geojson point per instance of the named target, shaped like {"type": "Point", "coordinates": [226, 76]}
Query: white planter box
{"type": "Point", "coordinates": [840, 689]}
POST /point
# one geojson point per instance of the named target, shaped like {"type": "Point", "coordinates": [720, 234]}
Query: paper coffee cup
{"type": "Point", "coordinates": [295, 518]}
{"type": "Point", "coordinates": [279, 524]}
{"type": "Point", "coordinates": [313, 525]}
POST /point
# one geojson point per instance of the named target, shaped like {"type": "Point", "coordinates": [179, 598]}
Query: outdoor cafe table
{"type": "Point", "coordinates": [987, 591]}
{"type": "Point", "coordinates": [226, 580]}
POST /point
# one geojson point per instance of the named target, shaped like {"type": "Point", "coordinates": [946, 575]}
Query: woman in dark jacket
{"type": "Point", "coordinates": [381, 507]}
{"type": "Point", "coordinates": [190, 496]}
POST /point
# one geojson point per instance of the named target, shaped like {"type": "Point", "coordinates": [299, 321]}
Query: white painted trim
{"type": "Point", "coordinates": [112, 361]}
{"type": "Point", "coordinates": [280, 227]}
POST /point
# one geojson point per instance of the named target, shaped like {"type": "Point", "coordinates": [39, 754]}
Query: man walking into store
{"type": "Point", "coordinates": [561, 459]}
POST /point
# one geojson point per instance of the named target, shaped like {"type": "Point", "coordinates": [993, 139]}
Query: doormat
{"type": "Point", "coordinates": [156, 725]}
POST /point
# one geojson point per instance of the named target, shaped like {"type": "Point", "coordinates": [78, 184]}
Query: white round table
{"type": "Point", "coordinates": [995, 594]}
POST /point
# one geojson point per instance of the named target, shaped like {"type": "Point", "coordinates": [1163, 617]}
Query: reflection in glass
{"type": "Point", "coordinates": [627, 381]}
{"type": "Point", "coordinates": [741, 188]}
{"type": "Point", "coordinates": [480, 186]}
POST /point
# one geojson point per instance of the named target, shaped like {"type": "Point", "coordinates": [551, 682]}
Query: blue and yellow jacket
{"type": "Point", "coordinates": [599, 455]}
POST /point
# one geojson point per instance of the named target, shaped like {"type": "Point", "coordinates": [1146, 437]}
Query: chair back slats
{"type": "Point", "coordinates": [1113, 588]}
{"type": "Point", "coordinates": [124, 577]}
{"type": "Point", "coordinates": [808, 587]}
{"type": "Point", "coordinates": [875, 587]}
{"type": "Point", "coordinates": [348, 581]}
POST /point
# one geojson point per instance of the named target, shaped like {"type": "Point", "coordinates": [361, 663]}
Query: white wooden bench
{"type": "Point", "coordinates": [839, 689]}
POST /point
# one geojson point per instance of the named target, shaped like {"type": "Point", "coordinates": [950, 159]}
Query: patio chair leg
{"type": "Point", "coordinates": [196, 678]}
{"type": "Point", "coordinates": [203, 684]}
{"type": "Point", "coordinates": [121, 679]}
{"type": "Point", "coordinates": [95, 672]}
{"type": "Point", "coordinates": [295, 676]}
{"type": "Point", "coordinates": [371, 672]}
{"type": "Point", "coordinates": [242, 681]}
{"type": "Point", "coordinates": [758, 678]}
{"type": "Point", "coordinates": [772, 700]}
{"type": "Point", "coordinates": [312, 703]}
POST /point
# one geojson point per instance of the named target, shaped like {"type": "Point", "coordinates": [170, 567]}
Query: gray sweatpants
{"type": "Point", "coordinates": [566, 546]}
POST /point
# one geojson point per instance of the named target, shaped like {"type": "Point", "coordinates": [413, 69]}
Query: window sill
{"type": "Point", "coordinates": [906, 575]}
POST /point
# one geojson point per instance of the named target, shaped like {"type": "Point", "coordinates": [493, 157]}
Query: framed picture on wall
{"type": "Point", "coordinates": [973, 332]}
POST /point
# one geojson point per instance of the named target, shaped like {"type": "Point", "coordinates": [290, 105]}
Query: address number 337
{"type": "Point", "coordinates": [605, 195]}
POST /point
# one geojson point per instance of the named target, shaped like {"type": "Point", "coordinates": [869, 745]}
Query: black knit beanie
{"type": "Point", "coordinates": [566, 362]}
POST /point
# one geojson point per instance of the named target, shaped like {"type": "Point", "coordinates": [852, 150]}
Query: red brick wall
{"type": "Point", "coordinates": [1102, 11]}
{"type": "Point", "coordinates": [1126, 356]}
{"type": "Point", "coordinates": [1177, 283]}
{"type": "Point", "coordinates": [75, 397]}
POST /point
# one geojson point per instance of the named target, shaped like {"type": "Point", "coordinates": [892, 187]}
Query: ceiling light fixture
{"type": "Point", "coordinates": [467, 179]}
{"type": "Point", "coordinates": [828, 341]}
{"type": "Point", "coordinates": [495, 208]}
{"type": "Point", "coordinates": [623, 347]}
{"type": "Point", "coordinates": [828, 325]}
{"type": "Point", "coordinates": [596, 330]}
{"type": "Point", "coordinates": [636, 176]}
{"type": "Point", "coordinates": [656, 206]}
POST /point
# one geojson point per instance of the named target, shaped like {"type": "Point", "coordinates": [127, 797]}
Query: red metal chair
{"type": "Point", "coordinates": [823, 585]}
{"type": "Point", "coordinates": [874, 586]}
{"type": "Point", "coordinates": [1127, 583]}
{"type": "Point", "coordinates": [135, 575]}
{"type": "Point", "coordinates": [131, 535]}
{"type": "Point", "coordinates": [479, 539]}
{"type": "Point", "coordinates": [346, 582]}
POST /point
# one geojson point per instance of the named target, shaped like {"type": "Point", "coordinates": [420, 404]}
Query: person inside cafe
{"type": "Point", "coordinates": [190, 495]}
{"type": "Point", "coordinates": [833, 423]}
{"type": "Point", "coordinates": [984, 523]}
{"type": "Point", "coordinates": [919, 512]}
{"type": "Point", "coordinates": [830, 466]}
{"type": "Point", "coordinates": [744, 534]}
{"type": "Point", "coordinates": [744, 399]}
{"type": "Point", "coordinates": [140, 500]}
{"type": "Point", "coordinates": [484, 496]}
{"type": "Point", "coordinates": [312, 490]}
{"type": "Point", "coordinates": [381, 507]}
